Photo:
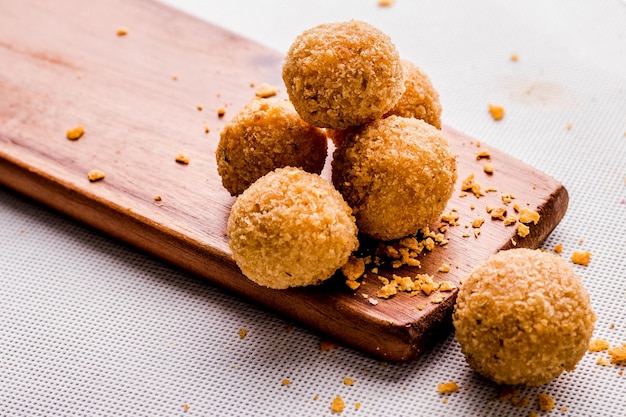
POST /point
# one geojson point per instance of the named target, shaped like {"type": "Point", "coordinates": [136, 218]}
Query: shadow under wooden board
{"type": "Point", "coordinates": [145, 96]}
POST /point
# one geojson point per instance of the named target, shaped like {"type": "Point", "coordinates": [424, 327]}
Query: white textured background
{"type": "Point", "coordinates": [91, 327]}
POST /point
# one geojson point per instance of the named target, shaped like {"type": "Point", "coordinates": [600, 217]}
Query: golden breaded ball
{"type": "Point", "coordinates": [343, 74]}
{"type": "Point", "coordinates": [291, 228]}
{"type": "Point", "coordinates": [267, 134]}
{"type": "Point", "coordinates": [420, 99]}
{"type": "Point", "coordinates": [522, 317]}
{"type": "Point", "coordinates": [397, 174]}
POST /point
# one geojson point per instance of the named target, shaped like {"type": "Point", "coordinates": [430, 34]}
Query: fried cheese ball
{"type": "Point", "coordinates": [420, 99]}
{"type": "Point", "coordinates": [267, 134]}
{"type": "Point", "coordinates": [291, 228]}
{"type": "Point", "coordinates": [522, 317]}
{"type": "Point", "coordinates": [397, 174]}
{"type": "Point", "coordinates": [343, 74]}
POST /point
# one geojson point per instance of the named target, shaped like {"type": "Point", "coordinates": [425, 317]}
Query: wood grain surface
{"type": "Point", "coordinates": [145, 97]}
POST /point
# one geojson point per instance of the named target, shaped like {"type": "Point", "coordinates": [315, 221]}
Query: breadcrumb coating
{"type": "Point", "coordinates": [291, 228]}
{"type": "Point", "coordinates": [343, 74]}
{"type": "Point", "coordinates": [420, 99]}
{"type": "Point", "coordinates": [267, 134]}
{"type": "Point", "coordinates": [397, 174]}
{"type": "Point", "coordinates": [522, 317]}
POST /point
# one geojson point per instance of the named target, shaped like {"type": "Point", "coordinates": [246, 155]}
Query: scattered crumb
{"type": "Point", "coordinates": [514, 57]}
{"type": "Point", "coordinates": [206, 129]}
{"type": "Point", "coordinates": [477, 222]}
{"type": "Point", "coordinates": [221, 111]}
{"type": "Point", "coordinates": [182, 158]}
{"type": "Point", "coordinates": [618, 354]}
{"type": "Point", "coordinates": [510, 220]}
{"type": "Point", "coordinates": [186, 407]}
{"type": "Point", "coordinates": [522, 230]}
{"type": "Point", "coordinates": [507, 198]}
{"type": "Point", "coordinates": [497, 112]}
{"type": "Point", "coordinates": [199, 107]}
{"type": "Point", "coordinates": [337, 405]}
{"type": "Point", "coordinates": [527, 215]}
{"type": "Point", "coordinates": [601, 361]}
{"type": "Point", "coordinates": [385, 3]}
{"type": "Point", "coordinates": [373, 301]}
{"type": "Point", "coordinates": [483, 154]}
{"type": "Point", "coordinates": [348, 381]}
{"type": "Point", "coordinates": [569, 126]}
{"type": "Point", "coordinates": [175, 77]}
{"type": "Point", "coordinates": [444, 268]}
{"type": "Point", "coordinates": [76, 133]}
{"type": "Point", "coordinates": [546, 403]}
{"type": "Point", "coordinates": [564, 409]}
{"type": "Point", "coordinates": [285, 382]}
{"type": "Point", "coordinates": [581, 240]}
{"type": "Point", "coordinates": [354, 268]}
{"type": "Point", "coordinates": [357, 405]}
{"type": "Point", "coordinates": [316, 397]}
{"type": "Point", "coordinates": [469, 184]}
{"type": "Point", "coordinates": [122, 31]}
{"type": "Point", "coordinates": [498, 213]}
{"type": "Point", "coordinates": [558, 248]}
{"type": "Point", "coordinates": [265, 91]}
{"type": "Point", "coordinates": [95, 175]}
{"type": "Point", "coordinates": [326, 345]}
{"type": "Point", "coordinates": [598, 345]}
{"type": "Point", "coordinates": [488, 168]}
{"type": "Point", "coordinates": [387, 291]}
{"type": "Point", "coordinates": [446, 286]}
{"type": "Point", "coordinates": [243, 332]}
{"type": "Point", "coordinates": [157, 198]}
{"type": "Point", "coordinates": [581, 257]}
{"type": "Point", "coordinates": [447, 387]}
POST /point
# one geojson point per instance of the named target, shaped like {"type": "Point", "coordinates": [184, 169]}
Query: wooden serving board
{"type": "Point", "coordinates": [138, 97]}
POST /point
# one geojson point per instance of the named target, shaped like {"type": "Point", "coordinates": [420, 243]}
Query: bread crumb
{"type": "Point", "coordinates": [75, 133]}
{"type": "Point", "coordinates": [337, 405]}
{"type": "Point", "coordinates": [182, 158]}
{"type": "Point", "coordinates": [221, 111]}
{"type": "Point", "coordinates": [265, 91]}
{"type": "Point", "coordinates": [558, 248]}
{"type": "Point", "coordinates": [581, 257]}
{"type": "Point", "coordinates": [477, 222]}
{"type": "Point", "coordinates": [446, 286]}
{"type": "Point", "coordinates": [507, 198]}
{"type": "Point", "coordinates": [483, 154]}
{"type": "Point", "coordinates": [157, 198]}
{"type": "Point", "coordinates": [618, 354]}
{"type": "Point", "coordinates": [444, 268]}
{"type": "Point", "coordinates": [186, 407]}
{"type": "Point", "coordinates": [488, 168]}
{"type": "Point", "coordinates": [510, 220]}
{"type": "Point", "coordinates": [522, 230]}
{"type": "Point", "coordinates": [199, 107]}
{"type": "Point", "coordinates": [206, 129]}
{"type": "Point", "coordinates": [387, 291]}
{"type": "Point", "coordinates": [598, 345]}
{"type": "Point", "coordinates": [326, 345]}
{"type": "Point", "coordinates": [354, 268]}
{"type": "Point", "coordinates": [348, 381]}
{"type": "Point", "coordinates": [601, 361]}
{"type": "Point", "coordinates": [285, 382]}
{"type": "Point", "coordinates": [316, 397]}
{"type": "Point", "coordinates": [122, 31]}
{"type": "Point", "coordinates": [546, 403]}
{"type": "Point", "coordinates": [385, 3]}
{"type": "Point", "coordinates": [498, 213]}
{"type": "Point", "coordinates": [95, 175]}
{"type": "Point", "coordinates": [357, 405]}
{"type": "Point", "coordinates": [514, 57]}
{"type": "Point", "coordinates": [497, 112]}
{"type": "Point", "coordinates": [527, 215]}
{"type": "Point", "coordinates": [469, 184]}
{"type": "Point", "coordinates": [569, 126]}
{"type": "Point", "coordinates": [447, 387]}
{"type": "Point", "coordinates": [243, 332]}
